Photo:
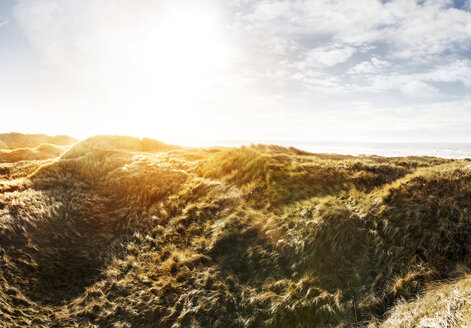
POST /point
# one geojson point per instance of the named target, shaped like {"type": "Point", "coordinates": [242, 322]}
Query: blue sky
{"type": "Point", "coordinates": [362, 70]}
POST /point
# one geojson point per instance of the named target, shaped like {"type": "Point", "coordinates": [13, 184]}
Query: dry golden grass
{"type": "Point", "coordinates": [42, 152]}
{"type": "Point", "coordinates": [3, 145]}
{"type": "Point", "coordinates": [16, 147]}
{"type": "Point", "coordinates": [19, 140]}
{"type": "Point", "coordinates": [443, 305]}
{"type": "Point", "coordinates": [122, 232]}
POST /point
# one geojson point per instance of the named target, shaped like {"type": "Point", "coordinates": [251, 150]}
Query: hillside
{"type": "Point", "coordinates": [18, 140]}
{"type": "Point", "coordinates": [15, 147]}
{"type": "Point", "coordinates": [123, 232]}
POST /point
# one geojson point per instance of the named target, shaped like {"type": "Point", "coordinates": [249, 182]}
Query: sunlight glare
{"type": "Point", "coordinates": [180, 59]}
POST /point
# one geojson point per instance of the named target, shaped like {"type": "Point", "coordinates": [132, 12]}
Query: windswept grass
{"type": "Point", "coordinates": [123, 232]}
{"type": "Point", "coordinates": [444, 304]}
{"type": "Point", "coordinates": [19, 140]}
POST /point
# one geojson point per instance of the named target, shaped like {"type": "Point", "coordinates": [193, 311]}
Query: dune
{"type": "Point", "coordinates": [118, 143]}
{"type": "Point", "coordinates": [19, 140]}
{"type": "Point", "coordinates": [125, 232]}
{"type": "Point", "coordinates": [3, 145]}
{"type": "Point", "coordinates": [42, 152]}
{"type": "Point", "coordinates": [444, 304]}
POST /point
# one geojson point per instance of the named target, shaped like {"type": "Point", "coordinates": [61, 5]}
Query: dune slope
{"type": "Point", "coordinates": [123, 232]}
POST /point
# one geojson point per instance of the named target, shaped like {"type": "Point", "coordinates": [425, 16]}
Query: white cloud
{"type": "Point", "coordinates": [456, 71]}
{"type": "Point", "coordinates": [53, 28]}
{"type": "Point", "coordinates": [327, 56]}
{"type": "Point", "coordinates": [373, 66]}
{"type": "Point", "coordinates": [419, 89]}
{"type": "Point", "coordinates": [270, 10]}
{"type": "Point", "coordinates": [349, 22]}
{"type": "Point", "coordinates": [431, 29]}
{"type": "Point", "coordinates": [418, 84]}
{"type": "Point", "coordinates": [3, 21]}
{"type": "Point", "coordinates": [410, 45]}
{"type": "Point", "coordinates": [410, 28]}
{"type": "Point", "coordinates": [318, 81]}
{"type": "Point", "coordinates": [378, 76]}
{"type": "Point", "coordinates": [369, 121]}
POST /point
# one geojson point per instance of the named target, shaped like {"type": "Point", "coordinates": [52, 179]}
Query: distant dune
{"type": "Point", "coordinates": [3, 145]}
{"type": "Point", "coordinates": [119, 143]}
{"type": "Point", "coordinates": [18, 140]}
{"type": "Point", "coordinates": [16, 147]}
{"type": "Point", "coordinates": [118, 231]}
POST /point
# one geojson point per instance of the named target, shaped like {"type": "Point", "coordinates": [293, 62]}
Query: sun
{"type": "Point", "coordinates": [161, 70]}
{"type": "Point", "coordinates": [189, 50]}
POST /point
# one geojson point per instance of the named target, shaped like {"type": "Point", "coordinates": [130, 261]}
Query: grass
{"type": "Point", "coordinates": [123, 232]}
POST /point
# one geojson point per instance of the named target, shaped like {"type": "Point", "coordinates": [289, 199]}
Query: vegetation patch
{"type": "Point", "coordinates": [127, 232]}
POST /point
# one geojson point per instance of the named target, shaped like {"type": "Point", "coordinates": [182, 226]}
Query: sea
{"type": "Point", "coordinates": [386, 149]}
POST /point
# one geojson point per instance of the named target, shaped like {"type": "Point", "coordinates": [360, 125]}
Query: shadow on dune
{"type": "Point", "coordinates": [74, 215]}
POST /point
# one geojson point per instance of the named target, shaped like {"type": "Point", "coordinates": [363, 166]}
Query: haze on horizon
{"type": "Point", "coordinates": [323, 70]}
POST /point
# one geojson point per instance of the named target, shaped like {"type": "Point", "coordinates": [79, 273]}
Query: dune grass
{"type": "Point", "coordinates": [124, 232]}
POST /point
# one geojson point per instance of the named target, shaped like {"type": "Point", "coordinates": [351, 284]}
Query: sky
{"type": "Point", "coordinates": [192, 71]}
